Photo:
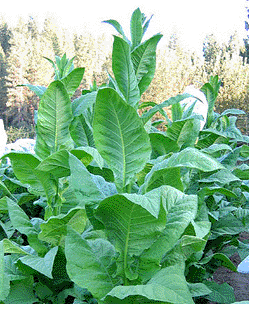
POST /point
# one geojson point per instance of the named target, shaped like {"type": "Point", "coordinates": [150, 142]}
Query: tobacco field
{"type": "Point", "coordinates": [119, 206]}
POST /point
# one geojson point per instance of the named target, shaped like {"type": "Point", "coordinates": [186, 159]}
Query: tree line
{"type": "Point", "coordinates": [23, 47]}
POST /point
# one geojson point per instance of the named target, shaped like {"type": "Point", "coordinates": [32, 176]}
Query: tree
{"type": "Point", "coordinates": [3, 87]}
{"type": "Point", "coordinates": [211, 51]}
{"type": "Point", "coordinates": [244, 52]}
{"type": "Point", "coordinates": [5, 46]}
{"type": "Point", "coordinates": [21, 69]}
{"type": "Point", "coordinates": [5, 36]}
{"type": "Point", "coordinates": [233, 46]}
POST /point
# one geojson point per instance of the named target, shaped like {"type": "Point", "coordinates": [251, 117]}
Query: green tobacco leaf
{"type": "Point", "coordinates": [161, 174]}
{"type": "Point", "coordinates": [198, 289]}
{"type": "Point", "coordinates": [124, 71]}
{"type": "Point", "coordinates": [222, 294]}
{"type": "Point", "coordinates": [54, 118]}
{"type": "Point", "coordinates": [24, 165]}
{"type": "Point", "coordinates": [57, 164]}
{"type": "Point", "coordinates": [184, 132]}
{"type": "Point", "coordinates": [38, 90]}
{"type": "Point", "coordinates": [162, 145]}
{"type": "Point", "coordinates": [136, 28]}
{"type": "Point", "coordinates": [181, 210]}
{"type": "Point", "coordinates": [87, 188]}
{"type": "Point", "coordinates": [12, 247]}
{"type": "Point", "coordinates": [54, 229]}
{"type": "Point", "coordinates": [144, 62]}
{"type": "Point", "coordinates": [132, 222]}
{"type": "Point", "coordinates": [120, 137]}
{"type": "Point", "coordinates": [73, 80]}
{"type": "Point", "coordinates": [193, 158]}
{"type": "Point", "coordinates": [118, 28]}
{"type": "Point", "coordinates": [38, 182]}
{"type": "Point", "coordinates": [85, 102]}
{"type": "Point", "coordinates": [225, 261]}
{"type": "Point", "coordinates": [4, 279]}
{"type": "Point", "coordinates": [44, 264]}
{"type": "Point", "coordinates": [87, 154]}
{"type": "Point", "coordinates": [90, 263]}
{"type": "Point", "coordinates": [167, 286]}
{"type": "Point", "coordinates": [221, 177]}
{"type": "Point", "coordinates": [21, 292]}
{"type": "Point", "coordinates": [22, 223]}
{"type": "Point", "coordinates": [211, 96]}
{"type": "Point", "coordinates": [81, 131]}
{"type": "Point", "coordinates": [228, 224]}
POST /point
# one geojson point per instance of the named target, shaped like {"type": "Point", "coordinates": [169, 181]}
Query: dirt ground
{"type": "Point", "coordinates": [239, 281]}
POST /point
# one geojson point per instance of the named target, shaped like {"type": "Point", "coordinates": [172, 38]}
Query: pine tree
{"type": "Point", "coordinates": [3, 87]}
{"type": "Point", "coordinates": [21, 69]}
{"type": "Point", "coordinates": [244, 51]}
{"type": "Point", "coordinates": [5, 36]}
{"type": "Point", "coordinates": [211, 50]}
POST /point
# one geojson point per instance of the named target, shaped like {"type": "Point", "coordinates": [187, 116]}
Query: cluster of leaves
{"type": "Point", "coordinates": [112, 210]}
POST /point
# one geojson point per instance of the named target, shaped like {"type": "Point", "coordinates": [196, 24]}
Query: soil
{"type": "Point", "coordinates": [239, 281]}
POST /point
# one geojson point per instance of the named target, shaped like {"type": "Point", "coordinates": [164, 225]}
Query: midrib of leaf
{"type": "Point", "coordinates": [56, 125]}
{"type": "Point", "coordinates": [123, 147]}
{"type": "Point", "coordinates": [126, 243]}
{"type": "Point", "coordinates": [140, 63]}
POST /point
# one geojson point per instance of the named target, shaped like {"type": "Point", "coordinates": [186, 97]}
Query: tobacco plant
{"type": "Point", "coordinates": [111, 210]}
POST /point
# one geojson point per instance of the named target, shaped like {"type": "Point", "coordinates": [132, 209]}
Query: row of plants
{"type": "Point", "coordinates": [110, 209]}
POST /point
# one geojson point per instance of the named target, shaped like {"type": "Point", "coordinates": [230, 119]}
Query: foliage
{"type": "Point", "coordinates": [111, 210]}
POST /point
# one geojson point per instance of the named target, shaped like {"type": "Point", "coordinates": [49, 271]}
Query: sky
{"type": "Point", "coordinates": [192, 20]}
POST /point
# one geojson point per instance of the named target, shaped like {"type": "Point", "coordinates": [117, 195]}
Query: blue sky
{"type": "Point", "coordinates": [191, 19]}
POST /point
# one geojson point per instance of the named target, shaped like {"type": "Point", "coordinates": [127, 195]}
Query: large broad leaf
{"type": "Point", "coordinates": [25, 168]}
{"type": "Point", "coordinates": [228, 224]}
{"type": "Point", "coordinates": [24, 165]}
{"type": "Point", "coordinates": [193, 158]}
{"type": "Point", "coordinates": [4, 279]}
{"type": "Point", "coordinates": [88, 189]}
{"type": "Point", "coordinates": [81, 131]}
{"type": "Point", "coordinates": [181, 210]}
{"type": "Point", "coordinates": [58, 163]}
{"type": "Point", "coordinates": [54, 118]}
{"type": "Point", "coordinates": [22, 223]}
{"type": "Point", "coordinates": [44, 264]}
{"type": "Point", "coordinates": [161, 174]}
{"type": "Point", "coordinates": [162, 145]}
{"type": "Point", "coordinates": [144, 62]}
{"type": "Point", "coordinates": [124, 71]}
{"type": "Point", "coordinates": [167, 286]}
{"type": "Point", "coordinates": [21, 292]}
{"type": "Point", "coordinates": [222, 294]}
{"type": "Point", "coordinates": [133, 222]}
{"type": "Point", "coordinates": [73, 80]}
{"type": "Point", "coordinates": [120, 137]}
{"type": "Point", "coordinates": [54, 229]}
{"type": "Point", "coordinates": [184, 132]}
{"type": "Point", "coordinates": [91, 263]}
{"type": "Point", "coordinates": [167, 171]}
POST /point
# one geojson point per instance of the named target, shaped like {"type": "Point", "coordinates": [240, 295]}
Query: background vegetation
{"type": "Point", "coordinates": [23, 47]}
